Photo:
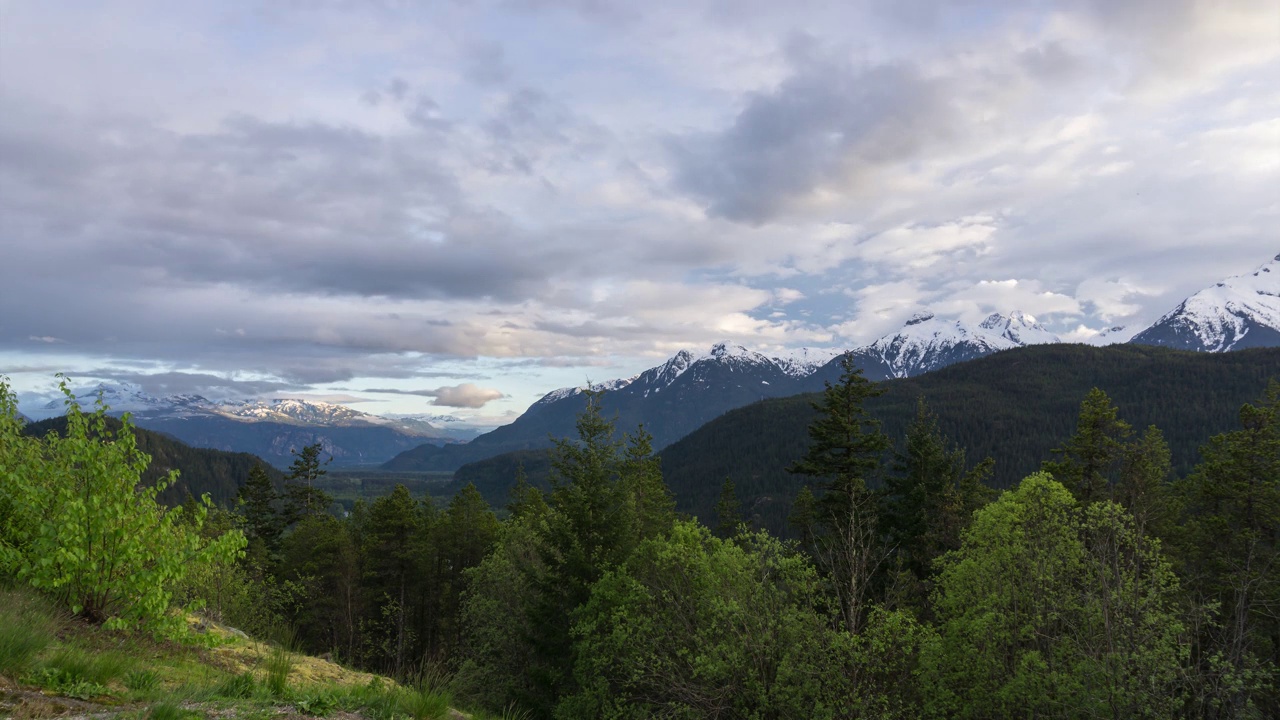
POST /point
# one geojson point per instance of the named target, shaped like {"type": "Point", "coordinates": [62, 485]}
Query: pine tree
{"type": "Point", "coordinates": [728, 511]}
{"type": "Point", "coordinates": [302, 497]}
{"type": "Point", "coordinates": [1229, 545]}
{"type": "Point", "coordinates": [258, 502]}
{"type": "Point", "coordinates": [1090, 458]}
{"type": "Point", "coordinates": [846, 448]}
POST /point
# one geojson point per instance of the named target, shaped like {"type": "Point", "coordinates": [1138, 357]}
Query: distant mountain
{"type": "Point", "coordinates": [1238, 313]}
{"type": "Point", "coordinates": [271, 429]}
{"type": "Point", "coordinates": [692, 388]}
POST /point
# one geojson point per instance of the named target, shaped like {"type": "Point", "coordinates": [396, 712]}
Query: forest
{"type": "Point", "coordinates": [1105, 582]}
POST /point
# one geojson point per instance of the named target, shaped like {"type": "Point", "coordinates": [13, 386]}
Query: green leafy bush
{"type": "Point", "coordinates": [79, 527]}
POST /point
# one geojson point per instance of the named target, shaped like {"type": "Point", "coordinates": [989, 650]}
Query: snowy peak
{"type": "Point", "coordinates": [1240, 312]}
{"type": "Point", "coordinates": [803, 362]}
{"type": "Point", "coordinates": [127, 397]}
{"type": "Point", "coordinates": [928, 342]}
{"type": "Point", "coordinates": [1018, 327]}
{"type": "Point", "coordinates": [130, 398]}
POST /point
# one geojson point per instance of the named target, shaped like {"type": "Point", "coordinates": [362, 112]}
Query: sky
{"type": "Point", "coordinates": [454, 207]}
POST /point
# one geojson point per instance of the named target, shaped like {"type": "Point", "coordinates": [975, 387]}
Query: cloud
{"type": "Point", "coordinates": [826, 124]}
{"type": "Point", "coordinates": [466, 395]}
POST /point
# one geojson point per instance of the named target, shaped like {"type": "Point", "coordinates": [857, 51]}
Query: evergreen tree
{"type": "Point", "coordinates": [302, 497]}
{"type": "Point", "coordinates": [1143, 488]}
{"type": "Point", "coordinates": [728, 511]}
{"type": "Point", "coordinates": [804, 517]}
{"type": "Point", "coordinates": [641, 479]}
{"type": "Point", "coordinates": [258, 502]}
{"type": "Point", "coordinates": [1229, 546]}
{"type": "Point", "coordinates": [390, 564]}
{"type": "Point", "coordinates": [1091, 456]}
{"type": "Point", "coordinates": [916, 494]}
{"type": "Point", "coordinates": [846, 448]}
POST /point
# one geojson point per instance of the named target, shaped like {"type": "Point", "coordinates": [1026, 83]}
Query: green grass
{"type": "Point", "coordinates": [27, 626]}
{"type": "Point", "coordinates": [280, 662]}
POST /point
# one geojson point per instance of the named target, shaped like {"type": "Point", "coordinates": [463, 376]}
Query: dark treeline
{"type": "Point", "coordinates": [216, 472]}
{"type": "Point", "coordinates": [1104, 583]}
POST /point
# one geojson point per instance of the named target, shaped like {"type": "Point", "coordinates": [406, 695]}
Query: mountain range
{"type": "Point", "coordinates": [271, 429]}
{"type": "Point", "coordinates": [693, 388]}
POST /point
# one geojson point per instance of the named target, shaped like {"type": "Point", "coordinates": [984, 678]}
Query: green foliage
{"type": "Point", "coordinates": [142, 681]}
{"type": "Point", "coordinates": [84, 532]}
{"type": "Point", "coordinates": [1091, 458]}
{"type": "Point", "coordinates": [693, 626]}
{"type": "Point", "coordinates": [929, 498]}
{"type": "Point", "coordinates": [259, 503]}
{"type": "Point", "coordinates": [1228, 548]}
{"type": "Point", "coordinates": [1050, 610]}
{"type": "Point", "coordinates": [845, 442]}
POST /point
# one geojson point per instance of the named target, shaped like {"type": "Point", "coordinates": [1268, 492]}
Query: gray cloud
{"type": "Point", "coordinates": [824, 124]}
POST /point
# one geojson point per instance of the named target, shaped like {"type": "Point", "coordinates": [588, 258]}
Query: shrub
{"type": "Point", "coordinates": [79, 528]}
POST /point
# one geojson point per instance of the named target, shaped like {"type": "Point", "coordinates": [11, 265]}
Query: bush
{"type": "Point", "coordinates": [80, 528]}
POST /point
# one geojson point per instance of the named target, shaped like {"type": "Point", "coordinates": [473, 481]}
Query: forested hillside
{"type": "Point", "coordinates": [201, 470]}
{"type": "Point", "coordinates": [1014, 407]}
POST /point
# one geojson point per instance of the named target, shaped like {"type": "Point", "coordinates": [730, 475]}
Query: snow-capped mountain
{"type": "Point", "coordinates": [130, 398]}
{"type": "Point", "coordinates": [1238, 313]}
{"type": "Point", "coordinates": [271, 429]}
{"type": "Point", "coordinates": [928, 342]}
{"type": "Point", "coordinates": [695, 386]}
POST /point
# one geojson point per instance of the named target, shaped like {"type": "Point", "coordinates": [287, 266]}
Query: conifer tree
{"type": "Point", "coordinates": [258, 501]}
{"type": "Point", "coordinates": [302, 497]}
{"type": "Point", "coordinates": [1229, 545]}
{"type": "Point", "coordinates": [846, 448]}
{"type": "Point", "coordinates": [728, 511]}
{"type": "Point", "coordinates": [1090, 458]}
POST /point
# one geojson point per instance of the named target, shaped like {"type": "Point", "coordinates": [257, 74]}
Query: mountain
{"type": "Point", "coordinates": [927, 343]}
{"type": "Point", "coordinates": [271, 429]}
{"type": "Point", "coordinates": [693, 387]}
{"type": "Point", "coordinates": [1013, 406]}
{"type": "Point", "coordinates": [1238, 313]}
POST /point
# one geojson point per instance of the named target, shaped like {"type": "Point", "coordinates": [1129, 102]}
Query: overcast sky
{"type": "Point", "coordinates": [457, 206]}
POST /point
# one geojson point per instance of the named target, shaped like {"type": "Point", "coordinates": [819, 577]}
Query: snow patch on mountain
{"type": "Point", "coordinates": [1112, 336]}
{"type": "Point", "coordinates": [803, 362]}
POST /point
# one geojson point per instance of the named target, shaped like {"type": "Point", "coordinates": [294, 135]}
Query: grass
{"type": "Point", "coordinates": [127, 675]}
{"type": "Point", "coordinates": [281, 661]}
{"type": "Point", "coordinates": [27, 626]}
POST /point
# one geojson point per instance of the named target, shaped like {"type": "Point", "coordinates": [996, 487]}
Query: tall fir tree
{"type": "Point", "coordinates": [846, 449]}
{"type": "Point", "coordinates": [259, 503]}
{"type": "Point", "coordinates": [1089, 460]}
{"type": "Point", "coordinates": [302, 497]}
{"type": "Point", "coordinates": [728, 511]}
